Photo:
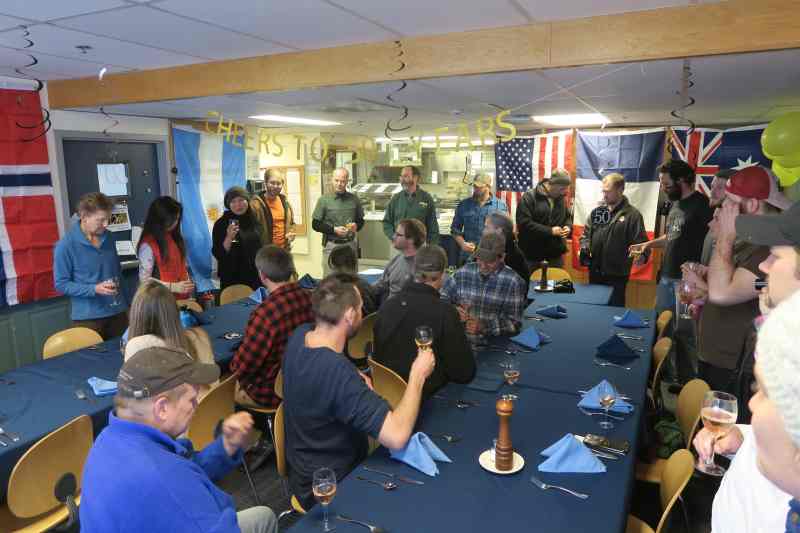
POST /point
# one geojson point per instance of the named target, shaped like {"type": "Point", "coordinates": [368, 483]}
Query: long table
{"type": "Point", "coordinates": [465, 497]}
{"type": "Point", "coordinates": [585, 293]}
{"type": "Point", "coordinates": [38, 398]}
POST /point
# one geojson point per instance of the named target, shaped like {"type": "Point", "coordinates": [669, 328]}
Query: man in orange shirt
{"type": "Point", "coordinates": [274, 212]}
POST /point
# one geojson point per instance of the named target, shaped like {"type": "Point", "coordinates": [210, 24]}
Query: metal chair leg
{"type": "Point", "coordinates": [250, 480]}
{"type": "Point", "coordinates": [685, 513]}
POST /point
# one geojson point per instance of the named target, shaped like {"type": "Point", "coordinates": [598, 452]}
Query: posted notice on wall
{"type": "Point", "coordinates": [125, 248]}
{"type": "Point", "coordinates": [112, 179]}
{"type": "Point", "coordinates": [120, 219]}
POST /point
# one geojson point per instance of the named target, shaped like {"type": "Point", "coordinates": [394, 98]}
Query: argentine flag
{"type": "Point", "coordinates": [208, 165]}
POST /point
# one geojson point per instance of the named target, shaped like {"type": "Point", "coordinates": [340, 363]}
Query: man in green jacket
{"type": "Point", "coordinates": [411, 202]}
{"type": "Point", "coordinates": [338, 216]}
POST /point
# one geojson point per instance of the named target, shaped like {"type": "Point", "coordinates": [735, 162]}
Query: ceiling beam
{"type": "Point", "coordinates": [728, 27]}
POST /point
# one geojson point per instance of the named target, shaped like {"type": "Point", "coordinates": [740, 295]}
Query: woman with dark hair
{"type": "Point", "coordinates": [343, 262]}
{"type": "Point", "coordinates": [161, 250]}
{"type": "Point", "coordinates": [236, 240]}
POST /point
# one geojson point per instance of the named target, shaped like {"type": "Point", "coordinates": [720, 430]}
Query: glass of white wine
{"type": "Point", "coordinates": [608, 396]}
{"type": "Point", "coordinates": [324, 487]}
{"type": "Point", "coordinates": [719, 413]}
{"type": "Point", "coordinates": [511, 374]}
{"type": "Point", "coordinates": [423, 336]}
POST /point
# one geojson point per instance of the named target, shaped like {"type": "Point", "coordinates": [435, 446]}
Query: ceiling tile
{"type": "Point", "coordinates": [304, 24]}
{"type": "Point", "coordinates": [152, 27]}
{"type": "Point", "coordinates": [416, 17]}
{"type": "Point", "coordinates": [541, 10]}
{"type": "Point", "coordinates": [60, 41]}
{"type": "Point", "coordinates": [506, 90]}
{"type": "Point", "coordinates": [7, 23]}
{"type": "Point", "coordinates": [55, 9]}
{"type": "Point", "coordinates": [51, 67]}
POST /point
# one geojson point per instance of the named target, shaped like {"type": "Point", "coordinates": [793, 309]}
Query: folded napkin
{"type": "Point", "coordinates": [591, 400]}
{"type": "Point", "coordinates": [102, 387]}
{"type": "Point", "coordinates": [259, 295]}
{"type": "Point", "coordinates": [531, 338]}
{"type": "Point", "coordinates": [486, 381]}
{"type": "Point", "coordinates": [568, 456]}
{"type": "Point", "coordinates": [188, 320]}
{"type": "Point", "coordinates": [630, 320]}
{"type": "Point", "coordinates": [308, 282]}
{"type": "Point", "coordinates": [615, 348]}
{"type": "Point", "coordinates": [553, 311]}
{"type": "Point", "coordinates": [420, 453]}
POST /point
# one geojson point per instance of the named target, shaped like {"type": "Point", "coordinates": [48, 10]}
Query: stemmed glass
{"type": "Point", "coordinates": [235, 223]}
{"type": "Point", "coordinates": [511, 374]}
{"type": "Point", "coordinates": [423, 336]}
{"type": "Point", "coordinates": [719, 413]}
{"type": "Point", "coordinates": [608, 396]}
{"type": "Point", "coordinates": [324, 488]}
{"type": "Point", "coordinates": [684, 291]}
{"type": "Point", "coordinates": [115, 300]}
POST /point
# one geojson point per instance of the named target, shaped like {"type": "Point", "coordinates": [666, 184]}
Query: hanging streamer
{"type": "Point", "coordinates": [45, 123]}
{"type": "Point", "coordinates": [389, 129]}
{"type": "Point", "coordinates": [688, 101]}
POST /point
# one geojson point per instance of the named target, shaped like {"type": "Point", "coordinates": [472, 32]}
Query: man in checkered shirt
{"type": "Point", "coordinates": [258, 359]}
{"type": "Point", "coordinates": [489, 296]}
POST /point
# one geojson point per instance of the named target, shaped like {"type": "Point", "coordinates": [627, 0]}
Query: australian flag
{"type": "Point", "coordinates": [710, 150]}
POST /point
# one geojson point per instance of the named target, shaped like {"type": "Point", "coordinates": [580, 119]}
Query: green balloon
{"type": "Point", "coordinates": [788, 161]}
{"type": "Point", "coordinates": [781, 138]}
{"type": "Point", "coordinates": [786, 176]}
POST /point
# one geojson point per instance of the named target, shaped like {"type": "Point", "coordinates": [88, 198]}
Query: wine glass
{"type": "Point", "coordinates": [115, 300]}
{"type": "Point", "coordinates": [324, 488]}
{"type": "Point", "coordinates": [423, 336]}
{"type": "Point", "coordinates": [608, 396]}
{"type": "Point", "coordinates": [719, 413]}
{"type": "Point", "coordinates": [684, 292]}
{"type": "Point", "coordinates": [234, 223]}
{"type": "Point", "coordinates": [511, 374]}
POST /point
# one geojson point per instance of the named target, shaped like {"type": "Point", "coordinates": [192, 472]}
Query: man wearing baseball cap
{"type": "Point", "coordinates": [467, 226]}
{"type": "Point", "coordinates": [544, 221]}
{"type": "Point", "coordinates": [140, 476]}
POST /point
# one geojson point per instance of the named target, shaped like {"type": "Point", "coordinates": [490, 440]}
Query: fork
{"type": "Point", "coordinates": [373, 529]}
{"type": "Point", "coordinates": [13, 436]}
{"type": "Point", "coordinates": [449, 438]}
{"type": "Point", "coordinates": [590, 413]}
{"type": "Point", "coordinates": [609, 363]}
{"type": "Point", "coordinates": [544, 486]}
{"type": "Point", "coordinates": [619, 396]}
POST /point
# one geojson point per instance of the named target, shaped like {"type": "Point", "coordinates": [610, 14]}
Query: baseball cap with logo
{"type": "Point", "coordinates": [430, 259]}
{"type": "Point", "coordinates": [757, 182]}
{"type": "Point", "coordinates": [482, 179]}
{"type": "Point", "coordinates": [560, 177]}
{"type": "Point", "coordinates": [152, 371]}
{"type": "Point", "coordinates": [491, 247]}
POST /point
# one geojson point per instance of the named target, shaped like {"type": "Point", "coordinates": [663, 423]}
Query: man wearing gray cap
{"type": "Point", "coordinates": [471, 213]}
{"type": "Point", "coordinates": [544, 221]}
{"type": "Point", "coordinates": [139, 476]}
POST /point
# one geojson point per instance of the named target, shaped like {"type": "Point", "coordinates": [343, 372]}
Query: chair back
{"type": "Point", "coordinates": [554, 273]}
{"type": "Point", "coordinates": [279, 428]}
{"type": "Point", "coordinates": [387, 383]}
{"type": "Point", "coordinates": [278, 386]}
{"type": "Point", "coordinates": [69, 340]}
{"type": "Point", "coordinates": [662, 322]}
{"type": "Point", "coordinates": [190, 304]}
{"type": "Point", "coordinates": [33, 480]}
{"type": "Point", "coordinates": [213, 407]}
{"type": "Point", "coordinates": [234, 292]}
{"type": "Point", "coordinates": [660, 352]}
{"type": "Point", "coordinates": [676, 475]}
{"type": "Point", "coordinates": [690, 403]}
{"type": "Point", "coordinates": [356, 346]}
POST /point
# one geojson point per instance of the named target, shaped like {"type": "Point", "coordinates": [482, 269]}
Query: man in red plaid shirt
{"type": "Point", "coordinates": [258, 359]}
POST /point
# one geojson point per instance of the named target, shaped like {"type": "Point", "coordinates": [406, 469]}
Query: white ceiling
{"type": "Point", "coordinates": [140, 34]}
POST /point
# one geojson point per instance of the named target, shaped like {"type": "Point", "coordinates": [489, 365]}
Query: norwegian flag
{"type": "Point", "coordinates": [710, 150]}
{"type": "Point", "coordinates": [523, 162]}
{"type": "Point", "coordinates": [28, 228]}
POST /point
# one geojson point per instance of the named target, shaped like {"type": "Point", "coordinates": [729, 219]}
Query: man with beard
{"type": "Point", "coordinates": [686, 228]}
{"type": "Point", "coordinates": [411, 202]}
{"type": "Point", "coordinates": [717, 195]}
{"type": "Point", "coordinates": [468, 222]}
{"type": "Point", "coordinates": [330, 407]}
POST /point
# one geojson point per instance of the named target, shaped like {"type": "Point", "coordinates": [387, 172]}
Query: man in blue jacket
{"type": "Point", "coordinates": [140, 476]}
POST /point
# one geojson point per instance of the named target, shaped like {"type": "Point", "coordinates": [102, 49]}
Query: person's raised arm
{"type": "Point", "coordinates": [399, 423]}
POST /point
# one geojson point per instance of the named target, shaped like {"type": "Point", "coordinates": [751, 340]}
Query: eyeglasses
{"type": "Point", "coordinates": [398, 234]}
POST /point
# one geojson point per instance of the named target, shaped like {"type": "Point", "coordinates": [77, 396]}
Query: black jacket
{"type": "Point", "coordinates": [416, 305]}
{"type": "Point", "coordinates": [607, 236]}
{"type": "Point", "coordinates": [537, 213]}
{"type": "Point", "coordinates": [239, 264]}
{"type": "Point", "coordinates": [516, 261]}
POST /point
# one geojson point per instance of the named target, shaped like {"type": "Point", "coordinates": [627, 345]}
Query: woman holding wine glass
{"type": "Point", "coordinates": [235, 241]}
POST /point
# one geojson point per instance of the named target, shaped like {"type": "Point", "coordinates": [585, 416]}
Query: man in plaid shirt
{"type": "Point", "coordinates": [490, 296]}
{"type": "Point", "coordinates": [258, 359]}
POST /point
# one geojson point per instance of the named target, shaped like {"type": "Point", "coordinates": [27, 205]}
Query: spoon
{"type": "Point", "coordinates": [373, 529]}
{"type": "Point", "coordinates": [609, 363]}
{"type": "Point", "coordinates": [387, 485]}
{"type": "Point", "coordinates": [449, 438]}
{"type": "Point", "coordinates": [590, 413]}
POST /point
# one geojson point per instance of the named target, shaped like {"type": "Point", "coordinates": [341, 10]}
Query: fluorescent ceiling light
{"type": "Point", "coordinates": [578, 119]}
{"type": "Point", "coordinates": [296, 120]}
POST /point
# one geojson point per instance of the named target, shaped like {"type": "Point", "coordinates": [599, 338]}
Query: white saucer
{"type": "Point", "coordinates": [486, 461]}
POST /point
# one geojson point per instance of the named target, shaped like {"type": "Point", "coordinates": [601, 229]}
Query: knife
{"type": "Point", "coordinates": [595, 451]}
{"type": "Point", "coordinates": [395, 476]}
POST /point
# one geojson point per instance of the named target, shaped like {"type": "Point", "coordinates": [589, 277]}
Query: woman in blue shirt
{"type": "Point", "coordinates": [86, 268]}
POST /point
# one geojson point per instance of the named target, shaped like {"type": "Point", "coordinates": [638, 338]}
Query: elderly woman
{"type": "Point", "coordinates": [161, 250]}
{"type": "Point", "coordinates": [236, 240]}
{"type": "Point", "coordinates": [86, 268]}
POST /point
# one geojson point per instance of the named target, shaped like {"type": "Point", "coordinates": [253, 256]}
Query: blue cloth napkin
{"type": "Point", "coordinates": [531, 338]}
{"type": "Point", "coordinates": [630, 320]}
{"type": "Point", "coordinates": [553, 311]}
{"type": "Point", "coordinates": [307, 282]}
{"type": "Point", "coordinates": [486, 381]}
{"type": "Point", "coordinates": [568, 456]}
{"type": "Point", "coordinates": [591, 400]}
{"type": "Point", "coordinates": [188, 320]}
{"type": "Point", "coordinates": [420, 453]}
{"type": "Point", "coordinates": [259, 295]}
{"type": "Point", "coordinates": [102, 387]}
{"type": "Point", "coordinates": [615, 348]}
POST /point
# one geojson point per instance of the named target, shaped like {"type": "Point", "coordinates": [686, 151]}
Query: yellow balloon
{"type": "Point", "coordinates": [781, 138]}
{"type": "Point", "coordinates": [787, 176]}
{"type": "Point", "coordinates": [788, 161]}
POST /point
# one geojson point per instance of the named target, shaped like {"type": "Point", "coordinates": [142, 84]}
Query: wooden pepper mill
{"type": "Point", "coordinates": [504, 451]}
{"type": "Point", "coordinates": [543, 281]}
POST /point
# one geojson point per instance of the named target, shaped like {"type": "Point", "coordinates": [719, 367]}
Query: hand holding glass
{"type": "Point", "coordinates": [234, 224]}
{"type": "Point", "coordinates": [114, 285]}
{"type": "Point", "coordinates": [719, 413]}
{"type": "Point", "coordinates": [423, 336]}
{"type": "Point", "coordinates": [324, 488]}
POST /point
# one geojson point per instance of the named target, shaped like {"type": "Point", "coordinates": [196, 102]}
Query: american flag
{"type": "Point", "coordinates": [523, 162]}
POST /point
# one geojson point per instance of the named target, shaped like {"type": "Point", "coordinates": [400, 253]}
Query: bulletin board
{"type": "Point", "coordinates": [294, 188]}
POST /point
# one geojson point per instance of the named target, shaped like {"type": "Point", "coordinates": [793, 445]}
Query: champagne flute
{"type": "Point", "coordinates": [423, 336]}
{"type": "Point", "coordinates": [608, 396]}
{"type": "Point", "coordinates": [684, 291]}
{"type": "Point", "coordinates": [115, 301]}
{"type": "Point", "coordinates": [324, 488]}
{"type": "Point", "coordinates": [719, 413]}
{"type": "Point", "coordinates": [235, 223]}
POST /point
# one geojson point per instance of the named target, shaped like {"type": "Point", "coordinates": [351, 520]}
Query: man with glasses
{"type": "Point", "coordinates": [338, 216]}
{"type": "Point", "coordinates": [407, 238]}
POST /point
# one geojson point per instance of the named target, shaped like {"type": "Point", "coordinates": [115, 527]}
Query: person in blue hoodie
{"type": "Point", "coordinates": [87, 269]}
{"type": "Point", "coordinates": [140, 476]}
